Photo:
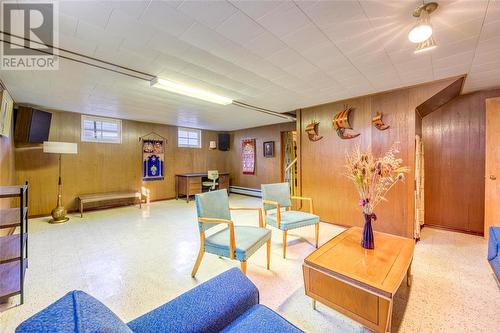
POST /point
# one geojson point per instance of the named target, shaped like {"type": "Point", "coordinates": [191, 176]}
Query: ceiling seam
{"type": "Point", "coordinates": [300, 55]}
{"type": "Point", "coordinates": [334, 44]}
{"type": "Point", "coordinates": [479, 36]}
{"type": "Point", "coordinates": [385, 51]}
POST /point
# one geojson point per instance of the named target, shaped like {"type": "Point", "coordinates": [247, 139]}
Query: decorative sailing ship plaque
{"type": "Point", "coordinates": [379, 123]}
{"type": "Point", "coordinates": [342, 125]}
{"type": "Point", "coordinates": [312, 131]}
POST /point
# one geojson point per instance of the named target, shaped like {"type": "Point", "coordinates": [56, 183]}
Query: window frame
{"type": "Point", "coordinates": [189, 130]}
{"type": "Point", "coordinates": [118, 122]}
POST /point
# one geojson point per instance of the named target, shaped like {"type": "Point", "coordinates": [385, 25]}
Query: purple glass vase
{"type": "Point", "coordinates": [367, 241]}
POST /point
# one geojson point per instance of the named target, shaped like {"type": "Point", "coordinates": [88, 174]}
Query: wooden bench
{"type": "Point", "coordinates": [100, 197]}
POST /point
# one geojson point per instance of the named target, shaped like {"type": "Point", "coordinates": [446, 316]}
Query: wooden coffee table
{"type": "Point", "coordinates": [357, 282]}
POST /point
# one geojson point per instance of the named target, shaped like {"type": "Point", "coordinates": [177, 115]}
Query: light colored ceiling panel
{"type": "Point", "coordinates": [284, 19]}
{"type": "Point", "coordinates": [280, 55]}
{"type": "Point", "coordinates": [239, 28]}
{"type": "Point", "coordinates": [162, 16]}
{"type": "Point", "coordinates": [210, 13]}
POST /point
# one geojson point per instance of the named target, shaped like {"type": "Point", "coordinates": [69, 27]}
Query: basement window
{"type": "Point", "coordinates": [188, 138]}
{"type": "Point", "coordinates": [104, 130]}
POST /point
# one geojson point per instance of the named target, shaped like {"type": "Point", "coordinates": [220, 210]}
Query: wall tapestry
{"type": "Point", "coordinates": [312, 131]}
{"type": "Point", "coordinates": [248, 156]}
{"type": "Point", "coordinates": [342, 125]}
{"type": "Point", "coordinates": [153, 159]}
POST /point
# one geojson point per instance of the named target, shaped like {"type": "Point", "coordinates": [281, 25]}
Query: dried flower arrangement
{"type": "Point", "coordinates": [373, 178]}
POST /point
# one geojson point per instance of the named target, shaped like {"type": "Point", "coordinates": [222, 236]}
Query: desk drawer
{"type": "Point", "coordinates": [194, 188]}
{"type": "Point", "coordinates": [194, 180]}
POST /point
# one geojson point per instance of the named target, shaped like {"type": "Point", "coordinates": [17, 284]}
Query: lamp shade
{"type": "Point", "coordinates": [54, 147]}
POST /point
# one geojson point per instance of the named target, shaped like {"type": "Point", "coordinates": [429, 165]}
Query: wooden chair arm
{"type": "Point", "coordinates": [311, 210]}
{"type": "Point", "coordinates": [278, 210]}
{"type": "Point", "coordinates": [232, 240]}
{"type": "Point", "coordinates": [261, 224]}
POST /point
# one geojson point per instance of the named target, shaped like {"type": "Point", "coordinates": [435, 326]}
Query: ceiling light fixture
{"type": "Point", "coordinates": [422, 31]}
{"type": "Point", "coordinates": [181, 89]}
{"type": "Point", "coordinates": [426, 45]}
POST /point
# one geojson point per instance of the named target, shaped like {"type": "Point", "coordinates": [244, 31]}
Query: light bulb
{"type": "Point", "coordinates": [422, 30]}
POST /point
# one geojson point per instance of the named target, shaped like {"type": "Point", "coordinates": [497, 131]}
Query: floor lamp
{"type": "Point", "coordinates": [52, 147]}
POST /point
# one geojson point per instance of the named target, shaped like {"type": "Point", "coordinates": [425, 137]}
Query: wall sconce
{"type": "Point", "coordinates": [213, 145]}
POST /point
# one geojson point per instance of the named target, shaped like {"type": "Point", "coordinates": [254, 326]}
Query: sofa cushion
{"type": "Point", "coordinates": [209, 307]}
{"type": "Point", "coordinates": [292, 219]}
{"type": "Point", "coordinates": [75, 312]}
{"type": "Point", "coordinates": [494, 243]}
{"type": "Point", "coordinates": [261, 319]}
{"type": "Point", "coordinates": [247, 239]}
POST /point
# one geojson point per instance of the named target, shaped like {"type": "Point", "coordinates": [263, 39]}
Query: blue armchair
{"type": "Point", "coordinates": [227, 303]}
{"type": "Point", "coordinates": [494, 250]}
{"type": "Point", "coordinates": [235, 242]}
{"type": "Point", "coordinates": [277, 196]}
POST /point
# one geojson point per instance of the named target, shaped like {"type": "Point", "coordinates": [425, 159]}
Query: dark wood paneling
{"type": "Point", "coordinates": [441, 98]}
{"type": "Point", "coordinates": [454, 155]}
{"type": "Point", "coordinates": [322, 162]}
{"type": "Point", "coordinates": [267, 169]}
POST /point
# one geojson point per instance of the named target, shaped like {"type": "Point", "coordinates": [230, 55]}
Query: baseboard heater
{"type": "Point", "coordinates": [246, 191]}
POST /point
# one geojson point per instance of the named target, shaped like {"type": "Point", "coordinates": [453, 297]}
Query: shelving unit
{"type": "Point", "coordinates": [14, 247]}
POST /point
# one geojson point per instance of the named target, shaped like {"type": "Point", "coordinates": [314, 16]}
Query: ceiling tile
{"type": "Point", "coordinates": [210, 13]}
{"type": "Point", "coordinates": [239, 28]}
{"type": "Point", "coordinates": [264, 45]}
{"type": "Point", "coordinates": [162, 16]}
{"type": "Point", "coordinates": [284, 19]}
{"type": "Point", "coordinates": [257, 8]}
{"type": "Point", "coordinates": [91, 12]}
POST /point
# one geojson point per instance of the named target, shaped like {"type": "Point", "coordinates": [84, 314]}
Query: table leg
{"type": "Point", "coordinates": [176, 188]}
{"type": "Point", "coordinates": [187, 190]}
{"type": "Point", "coordinates": [409, 277]}
{"type": "Point", "coordinates": [314, 304]}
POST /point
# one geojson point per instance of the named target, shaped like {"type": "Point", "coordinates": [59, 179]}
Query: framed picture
{"type": "Point", "coordinates": [5, 113]}
{"type": "Point", "coordinates": [269, 149]}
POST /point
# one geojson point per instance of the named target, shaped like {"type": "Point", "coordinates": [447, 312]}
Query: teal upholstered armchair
{"type": "Point", "coordinates": [235, 242]}
{"type": "Point", "coordinates": [275, 197]}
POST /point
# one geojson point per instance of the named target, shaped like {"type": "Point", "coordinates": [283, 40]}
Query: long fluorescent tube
{"type": "Point", "coordinates": [181, 89]}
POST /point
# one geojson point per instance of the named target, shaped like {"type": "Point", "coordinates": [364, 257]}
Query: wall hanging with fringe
{"type": "Point", "coordinates": [153, 156]}
{"type": "Point", "coordinates": [342, 125]}
{"type": "Point", "coordinates": [248, 156]}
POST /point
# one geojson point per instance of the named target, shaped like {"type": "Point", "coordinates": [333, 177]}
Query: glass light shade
{"type": "Point", "coordinates": [420, 33]}
{"type": "Point", "coordinates": [54, 147]}
{"type": "Point", "coordinates": [427, 45]}
{"type": "Point", "coordinates": [422, 30]}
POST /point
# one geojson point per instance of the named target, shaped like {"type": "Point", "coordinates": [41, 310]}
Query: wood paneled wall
{"type": "Point", "coordinates": [101, 167]}
{"type": "Point", "coordinates": [454, 152]}
{"type": "Point", "coordinates": [267, 169]}
{"type": "Point", "coordinates": [322, 162]}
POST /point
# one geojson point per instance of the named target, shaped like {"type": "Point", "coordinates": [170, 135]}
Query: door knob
{"type": "Point", "coordinates": [493, 177]}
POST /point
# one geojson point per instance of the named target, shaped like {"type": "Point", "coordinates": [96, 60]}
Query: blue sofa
{"type": "Point", "coordinates": [227, 303]}
{"type": "Point", "coordinates": [494, 250]}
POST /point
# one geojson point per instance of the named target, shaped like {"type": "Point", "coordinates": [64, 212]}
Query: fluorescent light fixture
{"type": "Point", "coordinates": [181, 89]}
{"type": "Point", "coordinates": [54, 147]}
{"type": "Point", "coordinates": [426, 45]}
{"type": "Point", "coordinates": [422, 30]}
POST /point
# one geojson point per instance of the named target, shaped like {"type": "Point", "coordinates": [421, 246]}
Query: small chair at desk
{"type": "Point", "coordinates": [213, 176]}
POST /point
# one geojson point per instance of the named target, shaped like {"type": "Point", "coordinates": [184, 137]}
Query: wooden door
{"type": "Point", "coordinates": [492, 174]}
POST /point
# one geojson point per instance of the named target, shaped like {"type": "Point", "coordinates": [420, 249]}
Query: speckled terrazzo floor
{"type": "Point", "coordinates": [135, 260]}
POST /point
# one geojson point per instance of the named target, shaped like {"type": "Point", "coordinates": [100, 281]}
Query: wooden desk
{"type": "Point", "coordinates": [187, 184]}
{"type": "Point", "coordinates": [356, 282]}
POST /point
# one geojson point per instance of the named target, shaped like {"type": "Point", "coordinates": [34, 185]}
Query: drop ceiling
{"type": "Point", "coordinates": [278, 55]}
